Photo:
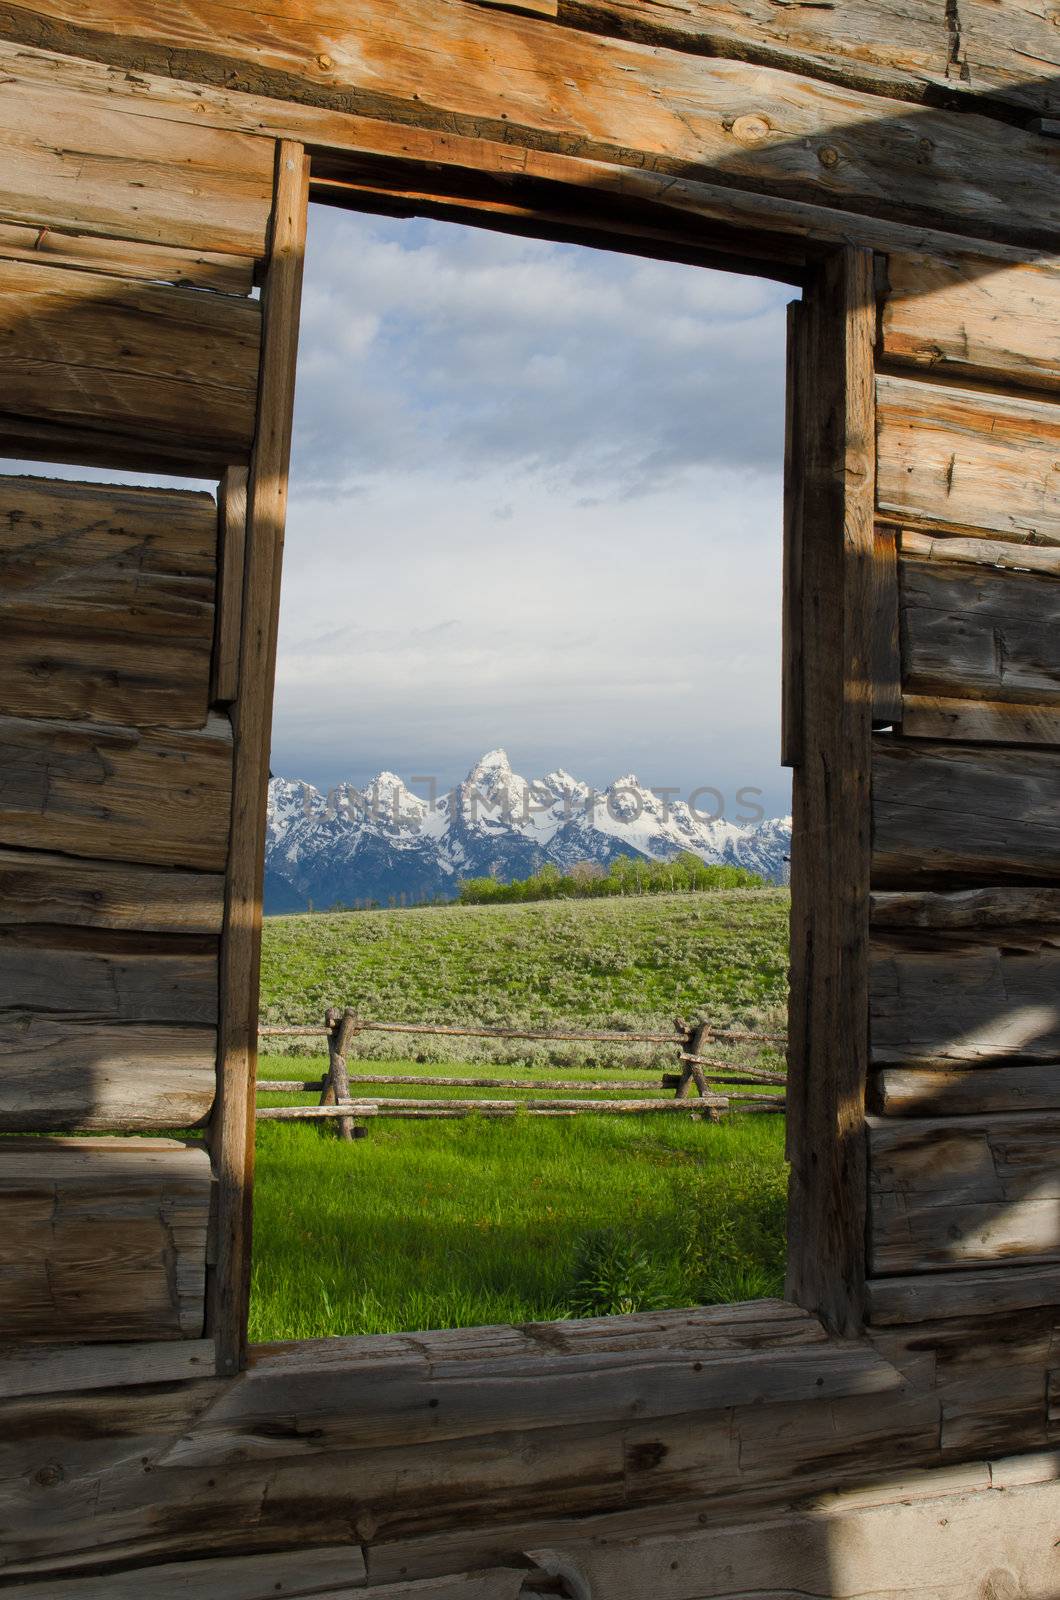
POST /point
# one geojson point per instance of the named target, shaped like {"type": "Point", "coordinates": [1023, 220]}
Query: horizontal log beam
{"type": "Point", "coordinates": [948, 315]}
{"type": "Point", "coordinates": [461, 68]}
{"type": "Point", "coordinates": [963, 814]}
{"type": "Point", "coordinates": [103, 371]}
{"type": "Point", "coordinates": [950, 1192]}
{"type": "Point", "coordinates": [160, 797]}
{"type": "Point", "coordinates": [59, 1074]}
{"type": "Point", "coordinates": [960, 457]}
{"type": "Point", "coordinates": [37, 888]}
{"type": "Point", "coordinates": [961, 1294]}
{"type": "Point", "coordinates": [102, 1240]}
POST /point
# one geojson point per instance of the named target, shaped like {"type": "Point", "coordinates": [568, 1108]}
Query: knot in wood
{"type": "Point", "coordinates": [828, 155]}
{"type": "Point", "coordinates": [324, 62]}
{"type": "Point", "coordinates": [51, 1475]}
{"type": "Point", "coordinates": [750, 129]}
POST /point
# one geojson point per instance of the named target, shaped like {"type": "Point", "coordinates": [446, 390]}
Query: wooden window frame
{"type": "Point", "coordinates": [828, 537]}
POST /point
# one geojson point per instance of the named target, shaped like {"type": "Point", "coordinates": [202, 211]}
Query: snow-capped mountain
{"type": "Point", "coordinates": [385, 843]}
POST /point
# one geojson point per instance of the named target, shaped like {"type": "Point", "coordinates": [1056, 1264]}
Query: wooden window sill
{"type": "Point", "coordinates": [407, 1388]}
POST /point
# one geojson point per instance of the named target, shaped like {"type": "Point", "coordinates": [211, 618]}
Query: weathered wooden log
{"type": "Point", "coordinates": [103, 1239]}
{"type": "Point", "coordinates": [967, 909]}
{"type": "Point", "coordinates": [964, 1091]}
{"type": "Point", "coordinates": [301, 1085]}
{"type": "Point", "coordinates": [943, 313]}
{"type": "Point", "coordinates": [232, 1127]}
{"type": "Point", "coordinates": [232, 507]}
{"type": "Point", "coordinates": [107, 605]}
{"type": "Point", "coordinates": [335, 1569]}
{"type": "Point", "coordinates": [947, 1193]}
{"type": "Point", "coordinates": [342, 1030]}
{"type": "Point", "coordinates": [58, 1073]}
{"type": "Point", "coordinates": [691, 1072]}
{"type": "Point", "coordinates": [778, 132]}
{"type": "Point", "coordinates": [188, 363]}
{"type": "Point", "coordinates": [907, 50]}
{"type": "Point", "coordinates": [161, 797]}
{"type": "Point", "coordinates": [123, 258]}
{"type": "Point", "coordinates": [68, 171]}
{"type": "Point", "coordinates": [37, 888]}
{"type": "Point", "coordinates": [98, 975]}
{"type": "Point", "coordinates": [836, 545]}
{"type": "Point", "coordinates": [958, 457]}
{"type": "Point", "coordinates": [357, 1108]}
{"type": "Point", "coordinates": [975, 630]}
{"type": "Point", "coordinates": [967, 813]}
{"type": "Point", "coordinates": [368, 1025]}
{"type": "Point", "coordinates": [932, 1296]}
{"type": "Point", "coordinates": [979, 721]}
{"type": "Point", "coordinates": [47, 1369]}
{"type": "Point", "coordinates": [968, 999]}
{"type": "Point", "coordinates": [984, 555]}
{"type": "Point", "coordinates": [885, 652]}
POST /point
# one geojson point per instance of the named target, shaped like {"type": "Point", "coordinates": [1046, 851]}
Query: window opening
{"type": "Point", "coordinates": [525, 781]}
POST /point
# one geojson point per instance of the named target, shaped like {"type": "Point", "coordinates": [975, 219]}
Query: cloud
{"type": "Point", "coordinates": [426, 345]}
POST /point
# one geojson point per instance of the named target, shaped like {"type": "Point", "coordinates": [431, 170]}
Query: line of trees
{"type": "Point", "coordinates": [586, 880]}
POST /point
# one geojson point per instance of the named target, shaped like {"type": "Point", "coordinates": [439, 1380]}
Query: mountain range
{"type": "Point", "coordinates": [387, 845]}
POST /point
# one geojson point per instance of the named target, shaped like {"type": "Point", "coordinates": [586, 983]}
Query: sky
{"type": "Point", "coordinates": [535, 503]}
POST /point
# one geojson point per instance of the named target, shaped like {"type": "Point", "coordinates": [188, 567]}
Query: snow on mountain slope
{"type": "Point", "coordinates": [385, 843]}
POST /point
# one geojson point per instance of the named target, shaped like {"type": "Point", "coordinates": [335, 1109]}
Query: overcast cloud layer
{"type": "Point", "coordinates": [535, 502]}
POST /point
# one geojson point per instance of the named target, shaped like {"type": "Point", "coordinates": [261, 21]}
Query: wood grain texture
{"type": "Point", "coordinates": [979, 721]}
{"type": "Point", "coordinates": [963, 814]}
{"type": "Point", "coordinates": [37, 888]}
{"type": "Point", "coordinates": [959, 315]}
{"type": "Point", "coordinates": [958, 1091]}
{"type": "Point", "coordinates": [974, 909]}
{"type": "Point", "coordinates": [449, 1504]}
{"type": "Point", "coordinates": [103, 976]}
{"type": "Point", "coordinates": [60, 1073]}
{"type": "Point", "coordinates": [331, 1572]}
{"type": "Point", "coordinates": [886, 663]}
{"type": "Point", "coordinates": [158, 797]}
{"type": "Point", "coordinates": [951, 1191]}
{"type": "Point", "coordinates": [108, 602]}
{"type": "Point", "coordinates": [94, 170]}
{"type": "Point", "coordinates": [36, 1368]}
{"type": "Point", "coordinates": [122, 258]}
{"type": "Point", "coordinates": [612, 1370]}
{"type": "Point", "coordinates": [733, 222]}
{"type": "Point", "coordinates": [958, 456]}
{"type": "Point", "coordinates": [987, 1293]}
{"type": "Point", "coordinates": [902, 47]}
{"type": "Point", "coordinates": [125, 367]}
{"type": "Point", "coordinates": [472, 70]}
{"type": "Point", "coordinates": [102, 1239]}
{"type": "Point", "coordinates": [981, 553]}
{"type": "Point", "coordinates": [963, 998]}
{"type": "Point", "coordinates": [798, 355]}
{"type": "Point", "coordinates": [828, 1027]}
{"type": "Point", "coordinates": [233, 507]}
{"type": "Point", "coordinates": [976, 630]}
{"type": "Point", "coordinates": [232, 1130]}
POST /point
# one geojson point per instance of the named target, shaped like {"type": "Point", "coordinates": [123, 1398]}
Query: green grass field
{"type": "Point", "coordinates": [455, 1223]}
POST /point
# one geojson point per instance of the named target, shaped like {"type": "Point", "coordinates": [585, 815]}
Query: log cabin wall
{"type": "Point", "coordinates": [129, 340]}
{"type": "Point", "coordinates": [150, 163]}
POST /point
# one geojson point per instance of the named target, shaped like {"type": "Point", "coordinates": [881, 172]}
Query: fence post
{"type": "Point", "coordinates": [691, 1071]}
{"type": "Point", "coordinates": [342, 1029]}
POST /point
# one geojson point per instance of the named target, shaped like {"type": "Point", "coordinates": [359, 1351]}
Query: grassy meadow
{"type": "Point", "coordinates": [456, 1223]}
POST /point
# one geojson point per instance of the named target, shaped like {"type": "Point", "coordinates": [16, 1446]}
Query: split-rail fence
{"type": "Point", "coordinates": [695, 1071]}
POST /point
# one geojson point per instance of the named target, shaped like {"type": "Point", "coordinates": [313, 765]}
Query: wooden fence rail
{"type": "Point", "coordinates": [338, 1104]}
